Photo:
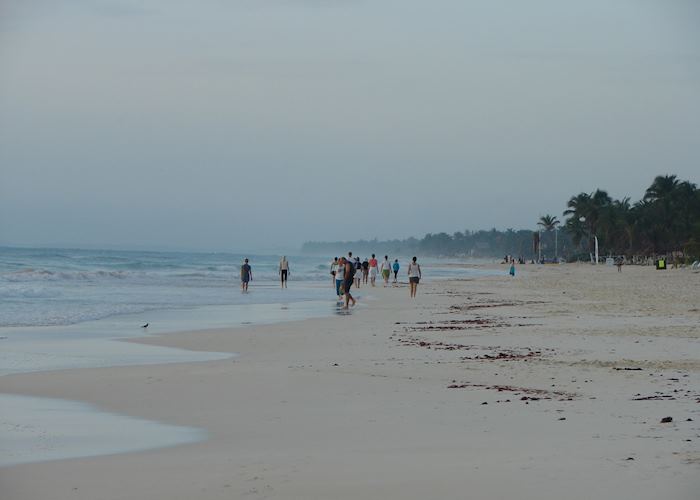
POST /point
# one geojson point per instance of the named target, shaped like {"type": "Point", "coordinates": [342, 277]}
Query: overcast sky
{"type": "Point", "coordinates": [253, 124]}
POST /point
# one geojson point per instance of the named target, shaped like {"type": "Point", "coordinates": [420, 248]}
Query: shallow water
{"type": "Point", "coordinates": [97, 344]}
{"type": "Point", "coordinates": [40, 429]}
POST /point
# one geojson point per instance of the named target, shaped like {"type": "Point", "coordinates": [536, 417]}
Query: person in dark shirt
{"type": "Point", "coordinates": [350, 273]}
{"type": "Point", "coordinates": [246, 275]}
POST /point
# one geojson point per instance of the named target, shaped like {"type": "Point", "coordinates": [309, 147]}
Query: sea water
{"type": "Point", "coordinates": [40, 287]}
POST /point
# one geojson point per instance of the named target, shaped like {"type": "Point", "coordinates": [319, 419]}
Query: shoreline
{"type": "Point", "coordinates": [341, 407]}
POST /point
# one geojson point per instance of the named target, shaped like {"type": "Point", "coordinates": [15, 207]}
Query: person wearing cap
{"type": "Point", "coordinates": [246, 275]}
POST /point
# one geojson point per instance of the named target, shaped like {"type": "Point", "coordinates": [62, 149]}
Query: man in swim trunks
{"type": "Point", "coordinates": [284, 271]}
{"type": "Point", "coordinates": [246, 275]}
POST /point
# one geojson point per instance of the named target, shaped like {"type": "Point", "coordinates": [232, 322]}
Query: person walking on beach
{"type": "Point", "coordinates": [284, 271]}
{"type": "Point", "coordinates": [395, 267]}
{"type": "Point", "coordinates": [365, 271]}
{"type": "Point", "coordinates": [246, 275]}
{"type": "Point", "coordinates": [386, 270]}
{"type": "Point", "coordinates": [512, 267]}
{"type": "Point", "coordinates": [373, 270]}
{"type": "Point", "coordinates": [334, 270]}
{"type": "Point", "coordinates": [340, 277]}
{"type": "Point", "coordinates": [358, 272]}
{"type": "Point", "coordinates": [414, 275]}
{"type": "Point", "coordinates": [350, 271]}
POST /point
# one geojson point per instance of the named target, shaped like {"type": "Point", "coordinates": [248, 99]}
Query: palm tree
{"type": "Point", "coordinates": [550, 223]}
{"type": "Point", "coordinates": [662, 188]}
{"type": "Point", "coordinates": [585, 211]}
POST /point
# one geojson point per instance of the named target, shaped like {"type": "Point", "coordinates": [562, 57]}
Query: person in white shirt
{"type": "Point", "coordinates": [386, 270]}
{"type": "Point", "coordinates": [339, 277]}
{"type": "Point", "coordinates": [414, 276]}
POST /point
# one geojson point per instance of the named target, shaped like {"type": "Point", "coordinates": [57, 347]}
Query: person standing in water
{"type": "Point", "coordinates": [350, 272]}
{"type": "Point", "coordinates": [386, 270]}
{"type": "Point", "coordinates": [395, 267]}
{"type": "Point", "coordinates": [334, 270]}
{"type": "Point", "coordinates": [512, 267]}
{"type": "Point", "coordinates": [246, 275]}
{"type": "Point", "coordinates": [340, 277]}
{"type": "Point", "coordinates": [284, 271]}
{"type": "Point", "coordinates": [365, 271]}
{"type": "Point", "coordinates": [414, 276]}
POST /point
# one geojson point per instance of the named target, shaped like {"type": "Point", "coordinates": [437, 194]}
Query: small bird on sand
{"type": "Point", "coordinates": [144, 326]}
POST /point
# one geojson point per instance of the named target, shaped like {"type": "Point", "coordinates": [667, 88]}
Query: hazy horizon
{"type": "Point", "coordinates": [249, 125]}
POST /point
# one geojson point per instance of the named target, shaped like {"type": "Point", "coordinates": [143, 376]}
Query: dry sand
{"type": "Point", "coordinates": [551, 385]}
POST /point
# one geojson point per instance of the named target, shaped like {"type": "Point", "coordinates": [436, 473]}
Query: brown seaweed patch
{"type": "Point", "coordinates": [490, 304]}
{"type": "Point", "coordinates": [459, 324]}
{"type": "Point", "coordinates": [526, 393]}
{"type": "Point", "coordinates": [484, 353]}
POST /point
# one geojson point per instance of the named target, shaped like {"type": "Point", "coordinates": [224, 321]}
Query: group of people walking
{"type": "Point", "coordinates": [349, 271]}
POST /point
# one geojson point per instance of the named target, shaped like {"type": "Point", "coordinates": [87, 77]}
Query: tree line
{"type": "Point", "coordinates": [666, 220]}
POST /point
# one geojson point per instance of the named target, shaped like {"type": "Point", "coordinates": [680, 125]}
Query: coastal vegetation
{"type": "Point", "coordinates": [665, 221]}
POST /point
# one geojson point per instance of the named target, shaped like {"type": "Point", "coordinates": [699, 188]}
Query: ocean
{"type": "Point", "coordinates": [51, 286]}
{"type": "Point", "coordinates": [41, 287]}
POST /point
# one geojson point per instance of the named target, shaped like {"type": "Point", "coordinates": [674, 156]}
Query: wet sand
{"type": "Point", "coordinates": [550, 385]}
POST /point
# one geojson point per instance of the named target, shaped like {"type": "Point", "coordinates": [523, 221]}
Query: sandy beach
{"type": "Point", "coordinates": [550, 385]}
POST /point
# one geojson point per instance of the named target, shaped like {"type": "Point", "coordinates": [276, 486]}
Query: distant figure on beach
{"type": "Point", "coordinates": [246, 275]}
{"type": "Point", "coordinates": [373, 270]}
{"type": "Point", "coordinates": [340, 277]}
{"type": "Point", "coordinates": [512, 268]}
{"type": "Point", "coordinates": [350, 271]}
{"type": "Point", "coordinates": [284, 271]}
{"type": "Point", "coordinates": [365, 270]}
{"type": "Point", "coordinates": [414, 275]}
{"type": "Point", "coordinates": [618, 262]}
{"type": "Point", "coordinates": [334, 270]}
{"type": "Point", "coordinates": [386, 270]}
{"type": "Point", "coordinates": [358, 272]}
{"type": "Point", "coordinates": [395, 267]}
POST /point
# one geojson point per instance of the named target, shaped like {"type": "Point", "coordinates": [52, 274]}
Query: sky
{"type": "Point", "coordinates": [260, 124]}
